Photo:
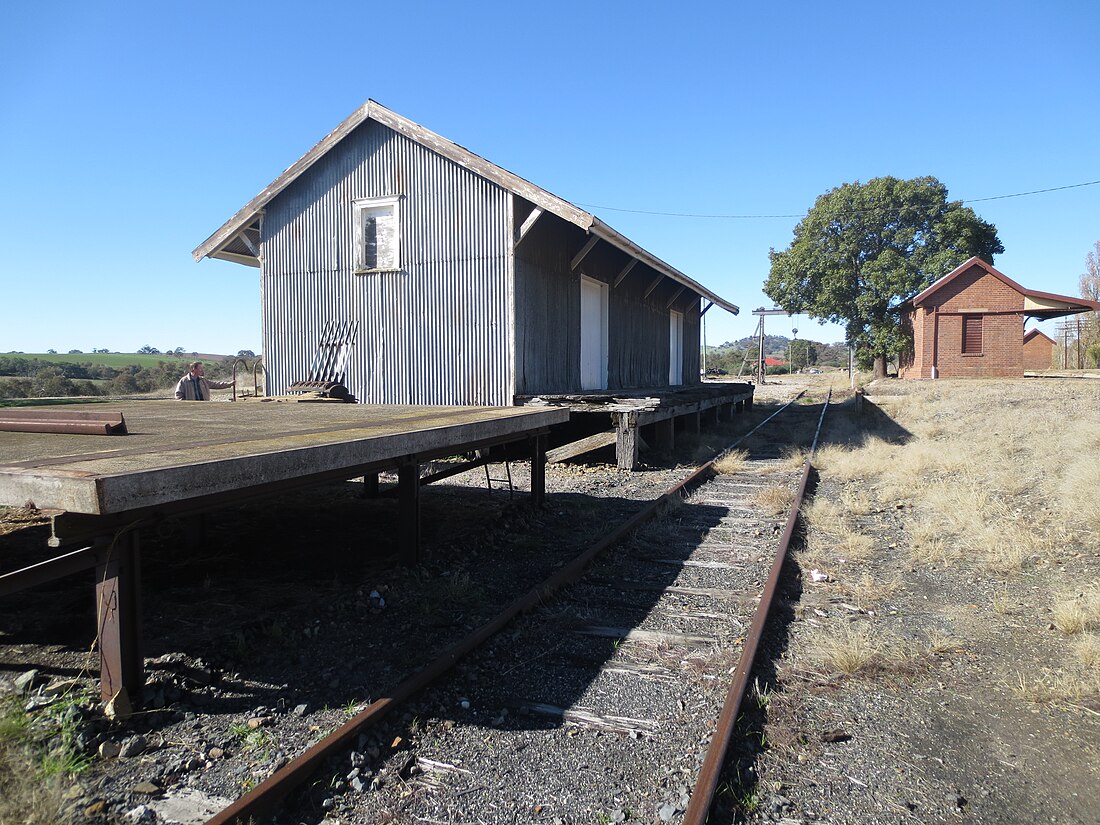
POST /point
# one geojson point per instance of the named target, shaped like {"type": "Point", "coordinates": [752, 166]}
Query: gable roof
{"type": "Point", "coordinates": [1037, 333]}
{"type": "Point", "coordinates": [1036, 304]}
{"type": "Point", "coordinates": [237, 238]}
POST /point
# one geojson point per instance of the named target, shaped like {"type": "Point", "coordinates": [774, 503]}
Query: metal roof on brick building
{"type": "Point", "coordinates": [1036, 304]}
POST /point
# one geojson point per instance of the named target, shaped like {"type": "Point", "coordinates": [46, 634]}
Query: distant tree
{"type": "Point", "coordinates": [51, 352]}
{"type": "Point", "coordinates": [865, 248]}
{"type": "Point", "coordinates": [803, 353]}
{"type": "Point", "coordinates": [245, 353]}
{"type": "Point", "coordinates": [148, 350]}
{"type": "Point", "coordinates": [76, 352]}
{"type": "Point", "coordinates": [16, 388]}
{"type": "Point", "coordinates": [1090, 289]}
{"type": "Point", "coordinates": [51, 382]}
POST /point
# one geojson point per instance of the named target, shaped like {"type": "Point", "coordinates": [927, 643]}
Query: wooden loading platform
{"type": "Point", "coordinates": [181, 458]}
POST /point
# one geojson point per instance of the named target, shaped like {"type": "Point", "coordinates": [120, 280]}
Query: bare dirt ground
{"type": "Point", "coordinates": [939, 659]}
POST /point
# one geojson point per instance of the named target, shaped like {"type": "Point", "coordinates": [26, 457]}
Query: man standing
{"type": "Point", "coordinates": [194, 386]}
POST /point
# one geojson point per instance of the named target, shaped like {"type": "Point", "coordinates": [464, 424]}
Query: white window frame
{"type": "Point", "coordinates": [363, 206]}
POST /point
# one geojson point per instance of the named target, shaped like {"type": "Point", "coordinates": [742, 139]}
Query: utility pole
{"type": "Point", "coordinates": [761, 372]}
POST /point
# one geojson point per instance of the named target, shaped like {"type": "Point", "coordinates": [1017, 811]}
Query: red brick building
{"type": "Point", "coordinates": [970, 323]}
{"type": "Point", "coordinates": [1038, 350]}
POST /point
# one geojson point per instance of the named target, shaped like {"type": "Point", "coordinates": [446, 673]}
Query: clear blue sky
{"type": "Point", "coordinates": [131, 131]}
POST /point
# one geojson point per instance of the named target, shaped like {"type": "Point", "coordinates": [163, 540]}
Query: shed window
{"type": "Point", "coordinates": [378, 234]}
{"type": "Point", "coordinates": [972, 334]}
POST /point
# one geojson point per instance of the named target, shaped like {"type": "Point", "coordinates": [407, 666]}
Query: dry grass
{"type": "Point", "coordinates": [857, 503]}
{"type": "Point", "coordinates": [1075, 613]}
{"type": "Point", "coordinates": [825, 516]}
{"type": "Point", "coordinates": [776, 499]}
{"type": "Point", "coordinates": [940, 644]}
{"type": "Point", "coordinates": [929, 545]}
{"type": "Point", "coordinates": [849, 650]}
{"type": "Point", "coordinates": [868, 591]}
{"type": "Point", "coordinates": [731, 462]}
{"type": "Point", "coordinates": [853, 547]}
{"type": "Point", "coordinates": [1080, 479]}
{"type": "Point", "coordinates": [26, 798]}
{"type": "Point", "coordinates": [794, 459]}
{"type": "Point", "coordinates": [1002, 603]}
{"type": "Point", "coordinates": [1088, 651]}
{"type": "Point", "coordinates": [860, 649]}
{"type": "Point", "coordinates": [28, 794]}
{"type": "Point", "coordinates": [1057, 686]}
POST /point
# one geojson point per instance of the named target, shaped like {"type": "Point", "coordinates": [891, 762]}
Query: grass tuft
{"type": "Point", "coordinates": [731, 462]}
{"type": "Point", "coordinates": [1077, 613]}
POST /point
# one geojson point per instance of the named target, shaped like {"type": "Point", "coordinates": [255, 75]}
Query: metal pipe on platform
{"type": "Point", "coordinates": [62, 421]}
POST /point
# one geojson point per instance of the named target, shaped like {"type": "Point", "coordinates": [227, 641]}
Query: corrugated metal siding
{"type": "Point", "coordinates": [548, 317]}
{"type": "Point", "coordinates": [438, 331]}
{"type": "Point", "coordinates": [692, 341]}
{"type": "Point", "coordinates": [548, 307]}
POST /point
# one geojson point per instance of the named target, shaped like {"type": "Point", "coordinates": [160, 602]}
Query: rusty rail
{"type": "Point", "coordinates": [263, 800]}
{"type": "Point", "coordinates": [711, 771]}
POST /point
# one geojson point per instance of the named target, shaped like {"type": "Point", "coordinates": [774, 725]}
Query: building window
{"type": "Point", "coordinates": [378, 234]}
{"type": "Point", "coordinates": [972, 334]}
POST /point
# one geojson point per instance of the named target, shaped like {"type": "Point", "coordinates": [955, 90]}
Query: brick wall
{"type": "Point", "coordinates": [973, 292]}
{"type": "Point", "coordinates": [1038, 353]}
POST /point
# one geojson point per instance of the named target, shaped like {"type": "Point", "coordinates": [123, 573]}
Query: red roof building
{"type": "Point", "coordinates": [970, 323]}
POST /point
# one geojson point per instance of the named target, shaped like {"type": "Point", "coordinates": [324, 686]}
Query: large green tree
{"type": "Point", "coordinates": [865, 248]}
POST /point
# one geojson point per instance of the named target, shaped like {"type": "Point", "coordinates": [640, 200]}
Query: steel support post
{"type": "Point", "coordinates": [118, 616]}
{"type": "Point", "coordinates": [538, 470]}
{"type": "Point", "coordinates": [408, 494]}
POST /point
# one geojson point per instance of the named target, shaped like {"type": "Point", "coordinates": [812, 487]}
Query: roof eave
{"type": "Point", "coordinates": [615, 238]}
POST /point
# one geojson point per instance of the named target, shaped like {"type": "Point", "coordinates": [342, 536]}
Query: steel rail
{"type": "Point", "coordinates": [263, 799]}
{"type": "Point", "coordinates": [702, 795]}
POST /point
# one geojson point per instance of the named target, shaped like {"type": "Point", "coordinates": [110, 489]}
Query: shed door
{"type": "Point", "coordinates": [593, 334]}
{"type": "Point", "coordinates": [675, 347]}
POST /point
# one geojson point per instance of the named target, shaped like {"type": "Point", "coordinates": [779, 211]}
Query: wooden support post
{"type": "Point", "coordinates": [692, 422]}
{"type": "Point", "coordinates": [665, 434]}
{"type": "Point", "coordinates": [538, 470]}
{"type": "Point", "coordinates": [408, 494]}
{"type": "Point", "coordinates": [626, 440]}
{"type": "Point", "coordinates": [714, 415]}
{"type": "Point", "coordinates": [118, 617]}
{"type": "Point", "coordinates": [370, 485]}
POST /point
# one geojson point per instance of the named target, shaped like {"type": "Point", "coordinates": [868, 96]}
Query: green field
{"type": "Point", "coordinates": [112, 359]}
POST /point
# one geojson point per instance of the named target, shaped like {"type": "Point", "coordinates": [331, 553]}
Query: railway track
{"type": "Point", "coordinates": [596, 703]}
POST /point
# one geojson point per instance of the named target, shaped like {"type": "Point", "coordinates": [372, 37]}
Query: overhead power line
{"type": "Point", "coordinates": [803, 214]}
